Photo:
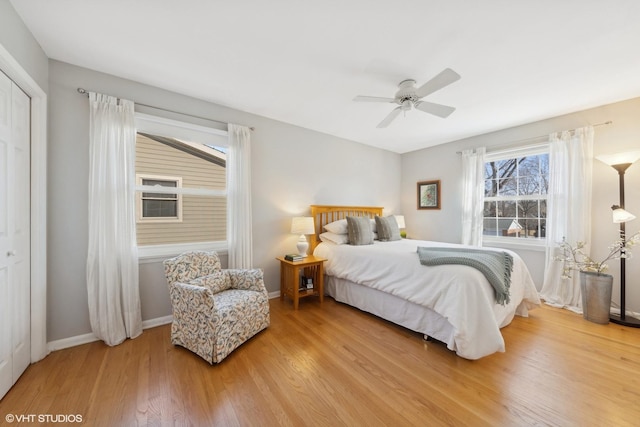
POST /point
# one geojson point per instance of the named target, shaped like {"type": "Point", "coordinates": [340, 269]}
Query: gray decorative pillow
{"type": "Point", "coordinates": [387, 228]}
{"type": "Point", "coordinates": [359, 230]}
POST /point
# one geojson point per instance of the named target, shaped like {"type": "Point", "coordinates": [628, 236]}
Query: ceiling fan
{"type": "Point", "coordinates": [408, 97]}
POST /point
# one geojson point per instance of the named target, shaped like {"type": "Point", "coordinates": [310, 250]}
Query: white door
{"type": "Point", "coordinates": [15, 345]}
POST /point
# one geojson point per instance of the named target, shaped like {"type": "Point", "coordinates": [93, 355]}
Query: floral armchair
{"type": "Point", "coordinates": [214, 310]}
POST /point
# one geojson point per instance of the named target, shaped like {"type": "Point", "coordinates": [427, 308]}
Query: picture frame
{"type": "Point", "coordinates": [429, 194]}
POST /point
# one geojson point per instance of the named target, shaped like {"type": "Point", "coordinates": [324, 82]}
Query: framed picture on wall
{"type": "Point", "coordinates": [429, 195]}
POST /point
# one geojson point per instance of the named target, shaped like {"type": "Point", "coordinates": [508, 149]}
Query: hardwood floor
{"type": "Point", "coordinates": [333, 365]}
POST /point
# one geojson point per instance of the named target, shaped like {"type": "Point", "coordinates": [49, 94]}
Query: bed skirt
{"type": "Point", "coordinates": [394, 309]}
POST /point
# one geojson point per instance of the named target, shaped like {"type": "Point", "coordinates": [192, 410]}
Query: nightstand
{"type": "Point", "coordinates": [310, 266]}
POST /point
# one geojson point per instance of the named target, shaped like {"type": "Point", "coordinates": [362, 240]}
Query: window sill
{"type": "Point", "coordinates": [158, 253]}
{"type": "Point", "coordinates": [512, 243]}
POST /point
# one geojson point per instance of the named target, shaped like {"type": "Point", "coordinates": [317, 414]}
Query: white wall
{"type": "Point", "coordinates": [444, 163]}
{"type": "Point", "coordinates": [292, 168]}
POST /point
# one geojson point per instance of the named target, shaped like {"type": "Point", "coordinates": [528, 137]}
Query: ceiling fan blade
{"type": "Point", "coordinates": [362, 98]}
{"type": "Point", "coordinates": [390, 117]}
{"type": "Point", "coordinates": [446, 77]}
{"type": "Point", "coordinates": [439, 110]}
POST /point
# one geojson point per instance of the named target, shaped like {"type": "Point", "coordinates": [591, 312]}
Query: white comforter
{"type": "Point", "coordinates": [461, 294]}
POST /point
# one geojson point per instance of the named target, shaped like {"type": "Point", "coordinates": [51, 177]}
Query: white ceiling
{"type": "Point", "coordinates": [302, 62]}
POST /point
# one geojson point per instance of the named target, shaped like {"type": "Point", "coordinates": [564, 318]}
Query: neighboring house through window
{"type": "Point", "coordinates": [181, 187]}
{"type": "Point", "coordinates": [515, 196]}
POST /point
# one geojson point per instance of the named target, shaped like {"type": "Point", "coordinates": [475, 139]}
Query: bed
{"type": "Point", "coordinates": [454, 304]}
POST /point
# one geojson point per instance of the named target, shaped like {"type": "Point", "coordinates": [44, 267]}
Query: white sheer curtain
{"type": "Point", "coordinates": [239, 232]}
{"type": "Point", "coordinates": [472, 196]}
{"type": "Point", "coordinates": [568, 210]}
{"type": "Point", "coordinates": [112, 259]}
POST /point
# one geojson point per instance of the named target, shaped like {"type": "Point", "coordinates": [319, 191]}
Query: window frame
{"type": "Point", "coordinates": [506, 154]}
{"type": "Point", "coordinates": [195, 133]}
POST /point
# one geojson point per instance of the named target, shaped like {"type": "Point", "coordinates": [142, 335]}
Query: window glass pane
{"type": "Point", "coordinates": [508, 186]}
{"type": "Point", "coordinates": [506, 209]}
{"type": "Point", "coordinates": [530, 227]}
{"type": "Point", "coordinates": [519, 186]}
{"type": "Point", "coordinates": [160, 183]}
{"type": "Point", "coordinates": [509, 227]}
{"type": "Point", "coordinates": [504, 166]}
{"type": "Point", "coordinates": [490, 187]}
{"type": "Point", "coordinates": [490, 209]}
{"type": "Point", "coordinates": [498, 176]}
{"type": "Point", "coordinates": [490, 227]}
{"type": "Point", "coordinates": [160, 208]}
{"type": "Point", "coordinates": [528, 209]}
{"type": "Point", "coordinates": [528, 185]}
{"type": "Point", "coordinates": [171, 218]}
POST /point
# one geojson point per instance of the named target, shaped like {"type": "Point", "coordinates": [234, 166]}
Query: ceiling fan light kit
{"type": "Point", "coordinates": [409, 97]}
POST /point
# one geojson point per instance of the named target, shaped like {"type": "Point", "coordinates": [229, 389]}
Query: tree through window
{"type": "Point", "coordinates": [515, 196]}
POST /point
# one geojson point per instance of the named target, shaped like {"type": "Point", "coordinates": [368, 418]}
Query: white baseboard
{"type": "Point", "coordinates": [70, 342]}
{"type": "Point", "coordinates": [87, 338]}
{"type": "Point", "coordinates": [158, 321]}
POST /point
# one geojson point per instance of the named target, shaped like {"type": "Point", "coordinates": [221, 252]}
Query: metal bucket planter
{"type": "Point", "coordinates": [596, 296]}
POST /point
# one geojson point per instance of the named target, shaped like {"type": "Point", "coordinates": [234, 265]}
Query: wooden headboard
{"type": "Point", "coordinates": [324, 214]}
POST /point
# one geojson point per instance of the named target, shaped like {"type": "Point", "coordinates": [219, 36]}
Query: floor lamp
{"type": "Point", "coordinates": [621, 163]}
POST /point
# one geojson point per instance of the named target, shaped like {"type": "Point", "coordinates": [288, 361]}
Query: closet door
{"type": "Point", "coordinates": [15, 345]}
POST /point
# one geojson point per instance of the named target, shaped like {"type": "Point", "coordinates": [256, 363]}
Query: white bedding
{"type": "Point", "coordinates": [460, 294]}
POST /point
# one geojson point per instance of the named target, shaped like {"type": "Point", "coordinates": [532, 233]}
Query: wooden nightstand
{"type": "Point", "coordinates": [290, 278]}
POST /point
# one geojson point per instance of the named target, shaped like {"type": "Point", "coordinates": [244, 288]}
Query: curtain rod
{"type": "Point", "coordinates": [83, 91]}
{"type": "Point", "coordinates": [513, 143]}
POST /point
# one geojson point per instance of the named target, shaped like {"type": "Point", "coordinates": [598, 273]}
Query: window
{"type": "Point", "coordinates": [516, 183]}
{"type": "Point", "coordinates": [159, 207]}
{"type": "Point", "coordinates": [181, 187]}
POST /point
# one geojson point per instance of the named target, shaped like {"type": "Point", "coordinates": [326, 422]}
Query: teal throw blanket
{"type": "Point", "coordinates": [496, 266]}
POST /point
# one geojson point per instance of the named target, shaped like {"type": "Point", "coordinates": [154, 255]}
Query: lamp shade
{"type": "Point", "coordinates": [400, 221]}
{"type": "Point", "coordinates": [620, 215]}
{"type": "Point", "coordinates": [627, 157]}
{"type": "Point", "coordinates": [302, 225]}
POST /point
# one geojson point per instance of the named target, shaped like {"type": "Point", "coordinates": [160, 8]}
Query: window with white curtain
{"type": "Point", "coordinates": [181, 187]}
{"type": "Point", "coordinates": [516, 183]}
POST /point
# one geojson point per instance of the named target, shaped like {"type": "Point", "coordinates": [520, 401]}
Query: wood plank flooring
{"type": "Point", "coordinates": [333, 365]}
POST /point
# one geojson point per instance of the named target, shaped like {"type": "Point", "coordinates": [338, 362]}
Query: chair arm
{"type": "Point", "coordinates": [247, 279]}
{"type": "Point", "coordinates": [186, 298]}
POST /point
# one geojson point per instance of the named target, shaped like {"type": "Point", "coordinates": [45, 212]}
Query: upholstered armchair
{"type": "Point", "coordinates": [214, 310]}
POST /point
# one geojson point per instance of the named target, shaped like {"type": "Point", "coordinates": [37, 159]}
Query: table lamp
{"type": "Point", "coordinates": [401, 225]}
{"type": "Point", "coordinates": [302, 225]}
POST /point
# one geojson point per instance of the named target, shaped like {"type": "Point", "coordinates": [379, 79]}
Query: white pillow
{"type": "Point", "coordinates": [338, 239]}
{"type": "Point", "coordinates": [337, 227]}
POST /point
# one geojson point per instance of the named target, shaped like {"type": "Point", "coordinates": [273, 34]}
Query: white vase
{"type": "Point", "coordinates": [596, 296]}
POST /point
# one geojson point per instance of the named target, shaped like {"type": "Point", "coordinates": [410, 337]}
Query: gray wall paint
{"type": "Point", "coordinates": [292, 168]}
{"type": "Point", "coordinates": [20, 43]}
{"type": "Point", "coordinates": [444, 163]}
